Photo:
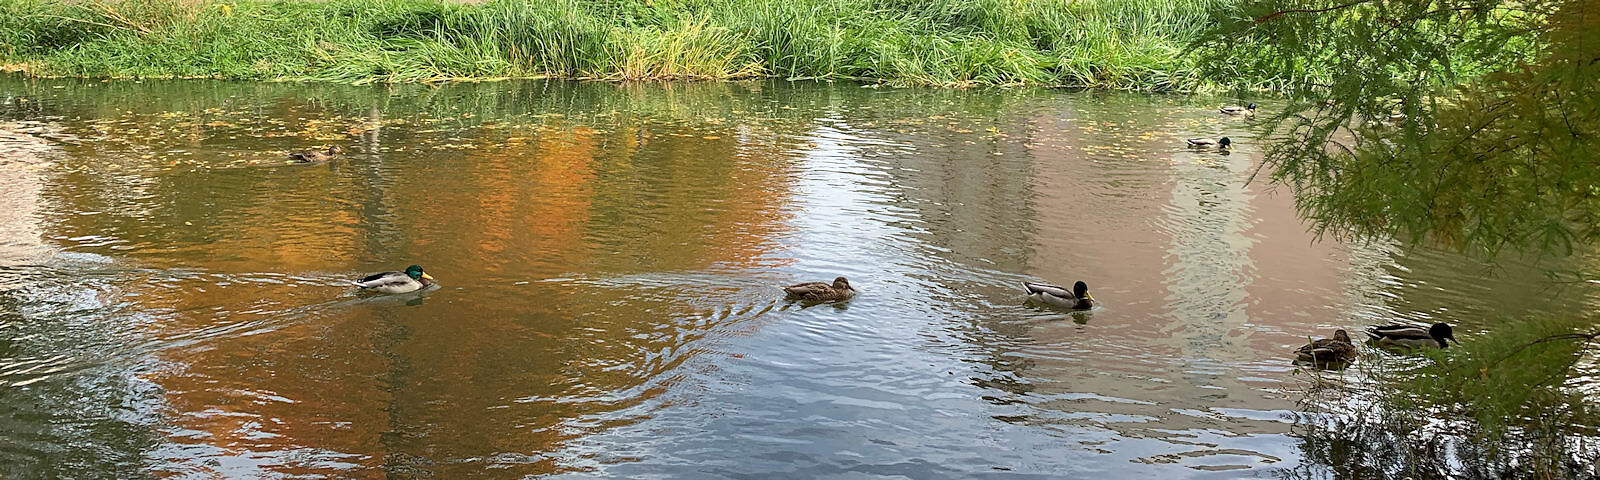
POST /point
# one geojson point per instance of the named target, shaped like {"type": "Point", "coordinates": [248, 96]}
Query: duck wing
{"type": "Point", "coordinates": [809, 288]}
{"type": "Point", "coordinates": [1320, 344]}
{"type": "Point", "coordinates": [1398, 332]}
{"type": "Point", "coordinates": [384, 279]}
{"type": "Point", "coordinates": [1201, 142]}
{"type": "Point", "coordinates": [1035, 288]}
{"type": "Point", "coordinates": [1326, 350]}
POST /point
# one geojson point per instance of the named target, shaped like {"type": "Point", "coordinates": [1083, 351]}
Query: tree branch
{"type": "Point", "coordinates": [1585, 337]}
{"type": "Point", "coordinates": [1279, 13]}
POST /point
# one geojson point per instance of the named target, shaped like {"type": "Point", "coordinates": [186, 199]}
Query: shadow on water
{"type": "Point", "coordinates": [176, 297]}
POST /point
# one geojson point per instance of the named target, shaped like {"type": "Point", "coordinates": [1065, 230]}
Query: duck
{"type": "Point", "coordinates": [315, 156]}
{"type": "Point", "coordinates": [1248, 110]}
{"type": "Point", "coordinates": [1393, 119]}
{"type": "Point", "coordinates": [1058, 296]}
{"type": "Point", "coordinates": [840, 290]}
{"type": "Point", "coordinates": [1412, 336]}
{"type": "Point", "coordinates": [410, 280]}
{"type": "Point", "coordinates": [1221, 144]}
{"type": "Point", "coordinates": [1338, 349]}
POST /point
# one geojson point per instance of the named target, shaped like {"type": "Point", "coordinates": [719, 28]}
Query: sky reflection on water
{"type": "Point", "coordinates": [174, 296]}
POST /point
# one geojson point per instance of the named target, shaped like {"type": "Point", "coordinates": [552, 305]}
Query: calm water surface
{"type": "Point", "coordinates": [174, 296]}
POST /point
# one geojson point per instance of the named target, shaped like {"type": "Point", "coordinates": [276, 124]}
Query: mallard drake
{"type": "Point", "coordinates": [411, 280]}
{"type": "Point", "coordinates": [1221, 144]}
{"type": "Point", "coordinates": [1058, 296]}
{"type": "Point", "coordinates": [1338, 349]}
{"type": "Point", "coordinates": [821, 292]}
{"type": "Point", "coordinates": [1411, 336]}
{"type": "Point", "coordinates": [314, 156]}
{"type": "Point", "coordinates": [1248, 110]}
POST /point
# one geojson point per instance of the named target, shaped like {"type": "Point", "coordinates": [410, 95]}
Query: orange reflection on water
{"type": "Point", "coordinates": [353, 390]}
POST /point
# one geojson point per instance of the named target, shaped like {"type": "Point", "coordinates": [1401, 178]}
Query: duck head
{"type": "Point", "coordinates": [1341, 335]}
{"type": "Point", "coordinates": [1224, 142]}
{"type": "Point", "coordinates": [1251, 107]}
{"type": "Point", "coordinates": [1441, 332]}
{"type": "Point", "coordinates": [335, 150]}
{"type": "Point", "coordinates": [841, 284]}
{"type": "Point", "coordinates": [1081, 290]}
{"type": "Point", "coordinates": [415, 271]}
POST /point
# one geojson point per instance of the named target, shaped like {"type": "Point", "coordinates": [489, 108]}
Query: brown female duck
{"type": "Point", "coordinates": [316, 156]}
{"type": "Point", "coordinates": [821, 292]}
{"type": "Point", "coordinates": [1327, 350]}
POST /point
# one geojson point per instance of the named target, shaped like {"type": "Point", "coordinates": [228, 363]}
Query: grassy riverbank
{"type": "Point", "coordinates": [1133, 44]}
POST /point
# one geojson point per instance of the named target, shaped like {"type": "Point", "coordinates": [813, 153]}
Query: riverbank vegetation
{"type": "Point", "coordinates": [1122, 44]}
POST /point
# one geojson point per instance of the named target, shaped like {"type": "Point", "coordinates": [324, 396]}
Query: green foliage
{"type": "Point", "coordinates": [791, 38]}
{"type": "Point", "coordinates": [1525, 416]}
{"type": "Point", "coordinates": [1514, 378]}
{"type": "Point", "coordinates": [554, 37]}
{"type": "Point", "coordinates": [1133, 44]}
{"type": "Point", "coordinates": [691, 50]}
{"type": "Point", "coordinates": [1500, 113]}
{"type": "Point", "coordinates": [1495, 151]}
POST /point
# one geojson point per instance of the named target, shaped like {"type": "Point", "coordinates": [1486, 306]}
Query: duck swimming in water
{"type": "Point", "coordinates": [1338, 349]}
{"type": "Point", "coordinates": [315, 156]}
{"type": "Point", "coordinates": [821, 292]}
{"type": "Point", "coordinates": [1057, 296]}
{"type": "Point", "coordinates": [1248, 111]}
{"type": "Point", "coordinates": [1220, 144]}
{"type": "Point", "coordinates": [410, 280]}
{"type": "Point", "coordinates": [1412, 336]}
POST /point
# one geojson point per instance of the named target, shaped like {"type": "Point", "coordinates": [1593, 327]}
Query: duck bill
{"type": "Point", "coordinates": [429, 277]}
{"type": "Point", "coordinates": [1086, 295]}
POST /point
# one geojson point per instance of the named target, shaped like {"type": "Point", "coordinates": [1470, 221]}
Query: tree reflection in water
{"type": "Point", "coordinates": [1346, 431]}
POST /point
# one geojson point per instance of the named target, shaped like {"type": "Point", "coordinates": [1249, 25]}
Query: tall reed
{"type": "Point", "coordinates": [1129, 44]}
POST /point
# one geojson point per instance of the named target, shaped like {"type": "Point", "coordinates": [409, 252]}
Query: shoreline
{"type": "Point", "coordinates": [1092, 44]}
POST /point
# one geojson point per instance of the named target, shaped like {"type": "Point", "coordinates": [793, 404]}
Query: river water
{"type": "Point", "coordinates": [175, 299]}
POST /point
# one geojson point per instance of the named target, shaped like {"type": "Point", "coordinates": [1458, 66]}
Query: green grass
{"type": "Point", "coordinates": [1125, 44]}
